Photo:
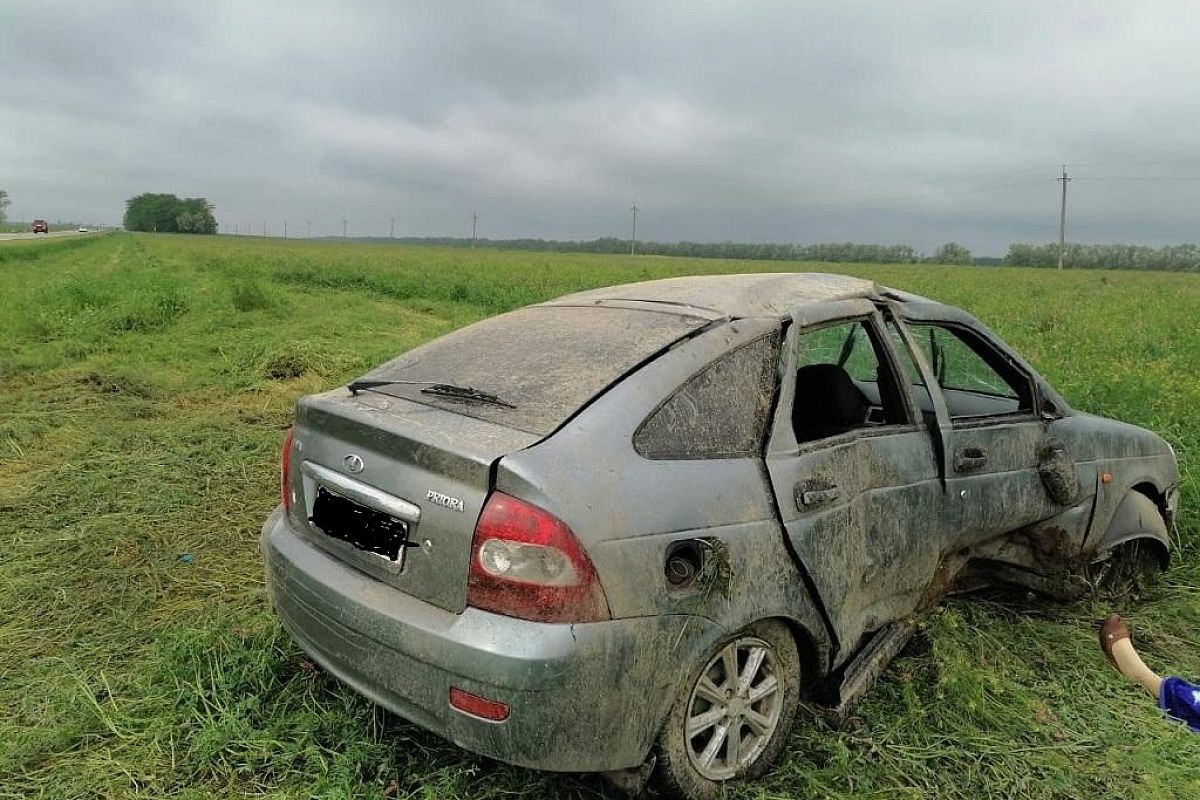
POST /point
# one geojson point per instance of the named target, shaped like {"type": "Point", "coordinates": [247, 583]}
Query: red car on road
{"type": "Point", "coordinates": [41, 226]}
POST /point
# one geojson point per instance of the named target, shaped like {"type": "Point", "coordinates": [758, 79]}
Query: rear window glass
{"type": "Point", "coordinates": [548, 361]}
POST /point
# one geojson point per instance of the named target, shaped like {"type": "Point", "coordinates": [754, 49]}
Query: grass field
{"type": "Point", "coordinates": [146, 383]}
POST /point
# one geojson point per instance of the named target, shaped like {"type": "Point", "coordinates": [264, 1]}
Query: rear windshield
{"type": "Point", "coordinates": [548, 361]}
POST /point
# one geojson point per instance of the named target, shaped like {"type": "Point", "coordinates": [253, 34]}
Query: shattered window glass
{"type": "Point", "coordinates": [721, 412]}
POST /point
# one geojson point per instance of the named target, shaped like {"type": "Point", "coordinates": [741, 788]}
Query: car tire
{"type": "Point", "coordinates": [748, 684]}
{"type": "Point", "coordinates": [1126, 570]}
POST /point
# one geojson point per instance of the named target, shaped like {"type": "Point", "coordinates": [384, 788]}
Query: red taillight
{"type": "Point", "coordinates": [285, 471]}
{"type": "Point", "coordinates": [478, 706]}
{"type": "Point", "coordinates": [526, 563]}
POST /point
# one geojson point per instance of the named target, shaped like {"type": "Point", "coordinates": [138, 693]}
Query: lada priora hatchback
{"type": "Point", "coordinates": [627, 530]}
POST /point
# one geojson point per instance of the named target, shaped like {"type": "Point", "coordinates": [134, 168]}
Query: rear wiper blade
{"type": "Point", "coordinates": [443, 389]}
{"type": "Point", "coordinates": [360, 386]}
{"type": "Point", "coordinates": [465, 393]}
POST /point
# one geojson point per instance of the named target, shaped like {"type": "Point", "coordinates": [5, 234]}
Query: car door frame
{"type": "Point", "coordinates": [1048, 404]}
{"type": "Point", "coordinates": [990, 501]}
{"type": "Point", "coordinates": [782, 450]}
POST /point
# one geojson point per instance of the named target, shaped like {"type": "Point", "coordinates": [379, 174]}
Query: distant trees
{"type": "Point", "coordinates": [4, 204]}
{"type": "Point", "coordinates": [151, 212]}
{"type": "Point", "coordinates": [834, 251]}
{"type": "Point", "coordinates": [167, 213]}
{"type": "Point", "coordinates": [1180, 257]}
{"type": "Point", "coordinates": [868, 253]}
{"type": "Point", "coordinates": [1173, 257]}
{"type": "Point", "coordinates": [952, 253]}
{"type": "Point", "coordinates": [196, 216]}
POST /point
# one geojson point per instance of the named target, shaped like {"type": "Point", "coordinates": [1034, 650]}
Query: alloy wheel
{"type": "Point", "coordinates": [734, 709]}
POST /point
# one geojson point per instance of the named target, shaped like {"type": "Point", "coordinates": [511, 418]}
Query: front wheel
{"type": "Point", "coordinates": [1126, 570]}
{"type": "Point", "coordinates": [732, 716]}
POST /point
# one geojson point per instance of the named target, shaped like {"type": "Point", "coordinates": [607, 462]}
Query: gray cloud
{"type": "Point", "coordinates": [917, 122]}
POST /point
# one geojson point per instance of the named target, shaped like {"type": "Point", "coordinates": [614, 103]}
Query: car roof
{"type": "Point", "coordinates": [766, 294]}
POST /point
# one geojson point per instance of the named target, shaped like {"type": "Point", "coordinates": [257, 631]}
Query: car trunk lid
{"type": "Point", "coordinates": [373, 459]}
{"type": "Point", "coordinates": [409, 456]}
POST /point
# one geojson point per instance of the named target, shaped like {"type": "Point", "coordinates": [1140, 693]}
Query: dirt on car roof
{"type": "Point", "coordinates": [772, 294]}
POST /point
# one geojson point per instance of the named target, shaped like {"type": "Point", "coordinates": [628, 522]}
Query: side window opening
{"type": "Point", "coordinates": [844, 381]}
{"type": "Point", "coordinates": [720, 412]}
{"type": "Point", "coordinates": [975, 380]}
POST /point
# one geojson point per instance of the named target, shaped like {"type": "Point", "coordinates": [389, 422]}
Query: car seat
{"type": "Point", "coordinates": [827, 402]}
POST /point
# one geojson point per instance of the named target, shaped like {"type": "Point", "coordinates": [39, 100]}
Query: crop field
{"type": "Point", "coordinates": [145, 386]}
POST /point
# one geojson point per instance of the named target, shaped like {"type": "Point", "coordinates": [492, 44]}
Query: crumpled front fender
{"type": "Point", "coordinates": [1137, 517]}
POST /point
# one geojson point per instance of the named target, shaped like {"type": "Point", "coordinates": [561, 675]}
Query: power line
{"type": "Point", "coordinates": [866, 199]}
{"type": "Point", "coordinates": [999, 173]}
{"type": "Point", "coordinates": [1138, 162]}
{"type": "Point", "coordinates": [1155, 178]}
{"type": "Point", "coordinates": [859, 200]}
{"type": "Point", "coordinates": [854, 200]}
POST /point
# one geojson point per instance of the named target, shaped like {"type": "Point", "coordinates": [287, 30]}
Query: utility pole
{"type": "Point", "coordinates": [1062, 219]}
{"type": "Point", "coordinates": [307, 229]}
{"type": "Point", "coordinates": [633, 233]}
{"type": "Point", "coordinates": [285, 229]}
{"type": "Point", "coordinates": [474, 226]}
{"type": "Point", "coordinates": [235, 229]}
{"type": "Point", "coordinates": [264, 229]}
{"type": "Point", "coordinates": [392, 229]}
{"type": "Point", "coordinates": [343, 227]}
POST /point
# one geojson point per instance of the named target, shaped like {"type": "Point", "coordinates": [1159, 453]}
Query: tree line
{"type": "Point", "coordinates": [166, 213]}
{"type": "Point", "coordinates": [950, 253]}
{"type": "Point", "coordinates": [1177, 258]}
{"type": "Point", "coordinates": [1172, 257]}
{"type": "Point", "coordinates": [171, 214]}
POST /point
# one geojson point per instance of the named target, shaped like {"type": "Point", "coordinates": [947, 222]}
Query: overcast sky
{"type": "Point", "coordinates": [914, 123]}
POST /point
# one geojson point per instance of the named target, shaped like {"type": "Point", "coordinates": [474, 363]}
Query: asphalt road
{"type": "Point", "coordinates": [51, 235]}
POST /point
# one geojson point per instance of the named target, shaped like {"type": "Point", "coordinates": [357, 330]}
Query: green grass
{"type": "Point", "coordinates": [146, 383]}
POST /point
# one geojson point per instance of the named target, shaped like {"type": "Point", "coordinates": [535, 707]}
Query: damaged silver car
{"type": "Point", "coordinates": [627, 530]}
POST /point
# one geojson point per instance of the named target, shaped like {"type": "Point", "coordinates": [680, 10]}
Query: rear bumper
{"type": "Point", "coordinates": [582, 698]}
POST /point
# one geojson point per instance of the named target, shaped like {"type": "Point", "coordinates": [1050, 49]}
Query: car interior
{"type": "Point", "coordinates": [838, 383]}
{"type": "Point", "coordinates": [828, 402]}
{"type": "Point", "coordinates": [840, 374]}
{"type": "Point", "coordinates": [974, 379]}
